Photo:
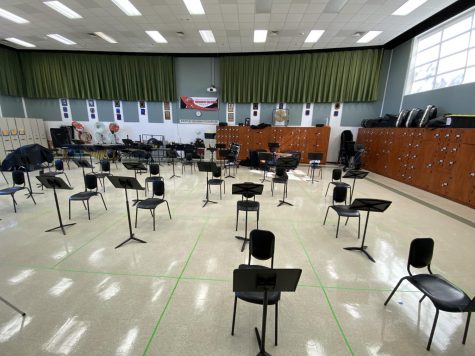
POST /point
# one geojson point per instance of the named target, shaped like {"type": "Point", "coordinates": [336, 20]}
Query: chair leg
{"type": "Point", "coordinates": [84, 204]}
{"type": "Point", "coordinates": [394, 290]}
{"type": "Point", "coordinates": [257, 219]}
{"type": "Point", "coordinates": [14, 203]}
{"type": "Point", "coordinates": [103, 201]}
{"type": "Point", "coordinates": [337, 227]}
{"type": "Point", "coordinates": [69, 183]}
{"type": "Point", "coordinates": [153, 216]}
{"type": "Point", "coordinates": [88, 211]}
{"type": "Point", "coordinates": [420, 300]}
{"type": "Point", "coordinates": [347, 218]}
{"type": "Point", "coordinates": [70, 210]}
{"type": "Point", "coordinates": [467, 324]}
{"type": "Point", "coordinates": [326, 216]}
{"type": "Point", "coordinates": [433, 329]}
{"type": "Point", "coordinates": [276, 322]}
{"type": "Point", "coordinates": [168, 207]}
{"type": "Point", "coordinates": [359, 219]}
{"type": "Point", "coordinates": [220, 195]}
{"type": "Point", "coordinates": [224, 183]}
{"type": "Point", "coordinates": [272, 187]}
{"type": "Point", "coordinates": [136, 213]}
{"type": "Point", "coordinates": [237, 217]}
{"type": "Point", "coordinates": [328, 187]}
{"type": "Point", "coordinates": [234, 315]}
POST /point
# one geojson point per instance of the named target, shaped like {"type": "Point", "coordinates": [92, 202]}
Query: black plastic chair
{"type": "Point", "coordinates": [247, 205]}
{"type": "Point", "coordinates": [336, 180]}
{"type": "Point", "coordinates": [339, 196]}
{"type": "Point", "coordinates": [18, 178]}
{"type": "Point", "coordinates": [217, 180]}
{"type": "Point", "coordinates": [111, 157]}
{"type": "Point", "coordinates": [281, 177]}
{"type": "Point", "coordinates": [59, 169]}
{"type": "Point", "coordinates": [154, 170]}
{"type": "Point", "coordinates": [151, 204]}
{"type": "Point", "coordinates": [443, 294]}
{"type": "Point", "coordinates": [187, 161]}
{"type": "Point", "coordinates": [261, 247]}
{"type": "Point", "coordinates": [90, 182]}
{"type": "Point", "coordinates": [314, 164]}
{"type": "Point", "coordinates": [105, 171]}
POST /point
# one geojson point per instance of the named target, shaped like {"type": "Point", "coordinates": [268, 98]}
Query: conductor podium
{"type": "Point", "coordinates": [55, 183]}
{"type": "Point", "coordinates": [127, 183]}
{"type": "Point", "coordinates": [263, 280]}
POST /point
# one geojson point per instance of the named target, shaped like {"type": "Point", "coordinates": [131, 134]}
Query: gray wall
{"type": "Point", "coordinates": [79, 110]}
{"type": "Point", "coordinates": [46, 109]}
{"type": "Point", "coordinates": [11, 106]}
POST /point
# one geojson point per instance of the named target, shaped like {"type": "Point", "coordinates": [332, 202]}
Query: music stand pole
{"type": "Point", "coordinates": [27, 163]}
{"type": "Point", "coordinates": [206, 201]}
{"type": "Point", "coordinates": [173, 167]}
{"type": "Point", "coordinates": [363, 248]}
{"type": "Point", "coordinates": [281, 202]}
{"type": "Point", "coordinates": [23, 314]}
{"type": "Point", "coordinates": [245, 238]}
{"type": "Point", "coordinates": [262, 342]}
{"type": "Point", "coordinates": [131, 234]}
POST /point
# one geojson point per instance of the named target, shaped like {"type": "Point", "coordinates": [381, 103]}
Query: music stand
{"type": "Point", "coordinates": [135, 166]}
{"type": "Point", "coordinates": [173, 154]}
{"type": "Point", "coordinates": [25, 160]}
{"type": "Point", "coordinates": [355, 174]}
{"type": "Point", "coordinates": [266, 157]}
{"type": "Point", "coordinates": [127, 183]}
{"type": "Point", "coordinates": [248, 190]}
{"type": "Point", "coordinates": [369, 205]}
{"type": "Point", "coordinates": [55, 183]}
{"type": "Point", "coordinates": [82, 163]}
{"type": "Point", "coordinates": [286, 163]}
{"type": "Point", "coordinates": [265, 280]}
{"type": "Point", "coordinates": [207, 167]}
{"type": "Point", "coordinates": [314, 156]}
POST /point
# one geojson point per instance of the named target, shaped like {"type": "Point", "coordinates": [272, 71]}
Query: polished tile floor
{"type": "Point", "coordinates": [173, 295]}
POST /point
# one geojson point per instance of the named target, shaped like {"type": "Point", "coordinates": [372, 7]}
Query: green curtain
{"type": "Point", "coordinates": [307, 78]}
{"type": "Point", "coordinates": [98, 76]}
{"type": "Point", "coordinates": [11, 77]}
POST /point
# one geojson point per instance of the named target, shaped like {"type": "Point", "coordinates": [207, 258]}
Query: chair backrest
{"type": "Point", "coordinates": [154, 169]}
{"type": "Point", "coordinates": [261, 245]}
{"type": "Point", "coordinates": [280, 172]}
{"type": "Point", "coordinates": [110, 154]}
{"type": "Point", "coordinates": [105, 165]}
{"type": "Point", "coordinates": [18, 178]}
{"type": "Point", "coordinates": [339, 194]}
{"type": "Point", "coordinates": [90, 181]}
{"type": "Point", "coordinates": [158, 188]}
{"type": "Point", "coordinates": [217, 172]}
{"type": "Point", "coordinates": [420, 253]}
{"type": "Point", "coordinates": [58, 164]}
{"type": "Point", "coordinates": [336, 174]}
{"type": "Point", "coordinates": [189, 156]}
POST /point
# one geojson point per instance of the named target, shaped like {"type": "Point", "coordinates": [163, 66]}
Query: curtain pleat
{"type": "Point", "coordinates": [11, 77]}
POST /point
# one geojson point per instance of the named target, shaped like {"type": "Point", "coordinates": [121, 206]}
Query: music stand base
{"type": "Point", "coordinates": [23, 314]}
{"type": "Point", "coordinates": [173, 176]}
{"type": "Point", "coordinates": [209, 201]}
{"type": "Point", "coordinates": [362, 249]}
{"type": "Point", "coordinates": [281, 202]}
{"type": "Point", "coordinates": [261, 352]}
{"type": "Point", "coordinates": [61, 227]}
{"type": "Point", "coordinates": [131, 238]}
{"type": "Point", "coordinates": [244, 242]}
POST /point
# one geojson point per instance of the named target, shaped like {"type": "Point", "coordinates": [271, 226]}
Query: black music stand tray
{"type": "Point", "coordinates": [207, 167]}
{"type": "Point", "coordinates": [55, 183]}
{"type": "Point", "coordinates": [83, 163]}
{"type": "Point", "coordinates": [286, 163]}
{"type": "Point", "coordinates": [355, 174]}
{"type": "Point", "coordinates": [315, 156]}
{"type": "Point", "coordinates": [246, 189]}
{"type": "Point", "coordinates": [265, 156]}
{"type": "Point", "coordinates": [369, 205]}
{"type": "Point", "coordinates": [135, 166]}
{"type": "Point", "coordinates": [23, 314]}
{"type": "Point", "coordinates": [127, 183]}
{"type": "Point", "coordinates": [265, 281]}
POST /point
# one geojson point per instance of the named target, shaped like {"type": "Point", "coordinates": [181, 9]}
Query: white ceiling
{"type": "Point", "coordinates": [232, 22]}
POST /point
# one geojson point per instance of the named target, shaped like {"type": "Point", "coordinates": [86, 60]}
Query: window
{"type": "Point", "coordinates": [444, 56]}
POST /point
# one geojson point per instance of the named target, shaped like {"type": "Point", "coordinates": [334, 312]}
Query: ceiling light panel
{"type": "Point", "coordinates": [12, 17]}
{"type": "Point", "coordinates": [408, 7]}
{"type": "Point", "coordinates": [127, 7]}
{"type": "Point", "coordinates": [194, 7]}
{"type": "Point", "coordinates": [156, 36]}
{"type": "Point", "coordinates": [369, 36]}
{"type": "Point", "coordinates": [61, 39]}
{"type": "Point", "coordinates": [314, 36]}
{"type": "Point", "coordinates": [105, 37]}
{"type": "Point", "coordinates": [20, 42]}
{"type": "Point", "coordinates": [207, 36]}
{"type": "Point", "coordinates": [63, 9]}
{"type": "Point", "coordinates": [260, 36]}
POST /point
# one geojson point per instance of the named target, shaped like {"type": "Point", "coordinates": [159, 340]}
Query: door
{"type": "Point", "coordinates": [463, 176]}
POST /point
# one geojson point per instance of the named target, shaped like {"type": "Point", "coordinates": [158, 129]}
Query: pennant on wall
{"type": "Point", "coordinates": [91, 109]}
{"type": "Point", "coordinates": [117, 107]}
{"type": "Point", "coordinates": [65, 109]}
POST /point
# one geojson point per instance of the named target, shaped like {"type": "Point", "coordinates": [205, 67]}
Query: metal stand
{"type": "Point", "coordinates": [244, 238]}
{"type": "Point", "coordinates": [229, 170]}
{"type": "Point", "coordinates": [281, 202]}
{"type": "Point", "coordinates": [173, 167]}
{"type": "Point", "coordinates": [262, 342]}
{"type": "Point", "coordinates": [207, 167]}
{"type": "Point", "coordinates": [362, 248]}
{"type": "Point", "coordinates": [206, 201]}
{"type": "Point", "coordinates": [131, 234]}
{"type": "Point", "coordinates": [23, 314]}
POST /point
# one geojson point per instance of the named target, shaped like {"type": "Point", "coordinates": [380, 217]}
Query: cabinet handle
{"type": "Point", "coordinates": [472, 174]}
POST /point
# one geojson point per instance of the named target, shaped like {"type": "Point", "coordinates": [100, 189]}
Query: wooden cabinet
{"type": "Point", "coordinates": [301, 139]}
{"type": "Point", "coordinates": [441, 161]}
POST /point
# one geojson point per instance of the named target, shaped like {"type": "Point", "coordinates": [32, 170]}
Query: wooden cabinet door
{"type": "Point", "coordinates": [463, 175]}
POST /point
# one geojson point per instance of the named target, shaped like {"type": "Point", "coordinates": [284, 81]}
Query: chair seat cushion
{"type": "Point", "coordinates": [279, 180]}
{"type": "Point", "coordinates": [82, 195]}
{"type": "Point", "coordinates": [52, 174]}
{"type": "Point", "coordinates": [215, 181]}
{"type": "Point", "coordinates": [102, 175]}
{"type": "Point", "coordinates": [248, 205]}
{"type": "Point", "coordinates": [341, 184]}
{"type": "Point", "coordinates": [10, 190]}
{"type": "Point", "coordinates": [153, 179]}
{"type": "Point", "coordinates": [441, 292]}
{"type": "Point", "coordinates": [257, 297]}
{"type": "Point", "coordinates": [344, 210]}
{"type": "Point", "coordinates": [150, 203]}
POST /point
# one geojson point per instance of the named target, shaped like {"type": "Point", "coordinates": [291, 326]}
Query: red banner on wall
{"type": "Point", "coordinates": [198, 103]}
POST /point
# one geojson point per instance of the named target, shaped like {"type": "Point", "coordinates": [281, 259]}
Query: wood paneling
{"type": "Point", "coordinates": [302, 139]}
{"type": "Point", "coordinates": [441, 161]}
